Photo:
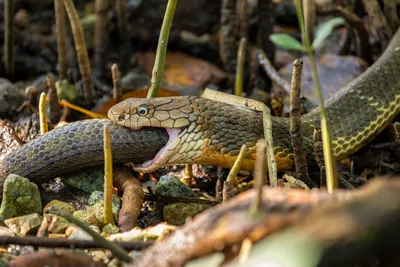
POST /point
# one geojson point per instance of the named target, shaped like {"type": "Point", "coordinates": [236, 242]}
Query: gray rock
{"type": "Point", "coordinates": [171, 186]}
{"type": "Point", "coordinates": [88, 180]}
{"type": "Point", "coordinates": [80, 234]}
{"type": "Point", "coordinates": [20, 197]}
{"type": "Point", "coordinates": [177, 213]}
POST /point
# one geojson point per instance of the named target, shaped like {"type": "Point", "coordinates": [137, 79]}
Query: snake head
{"type": "Point", "coordinates": [172, 113]}
{"type": "Point", "coordinates": [168, 112]}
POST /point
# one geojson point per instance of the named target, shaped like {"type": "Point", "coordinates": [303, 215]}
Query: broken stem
{"type": "Point", "coordinates": [62, 61]}
{"type": "Point", "coordinates": [299, 153]}
{"type": "Point", "coordinates": [81, 51]}
{"type": "Point", "coordinates": [42, 114]}
{"type": "Point", "coordinates": [108, 178]}
{"type": "Point", "coordinates": [116, 78]}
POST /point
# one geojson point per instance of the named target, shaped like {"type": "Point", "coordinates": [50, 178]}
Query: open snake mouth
{"type": "Point", "coordinates": [162, 155]}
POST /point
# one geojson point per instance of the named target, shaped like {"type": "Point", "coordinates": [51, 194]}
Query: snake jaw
{"type": "Point", "coordinates": [162, 155]}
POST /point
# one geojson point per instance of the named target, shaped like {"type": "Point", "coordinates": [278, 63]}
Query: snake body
{"type": "Point", "coordinates": [78, 145]}
{"type": "Point", "coordinates": [209, 132]}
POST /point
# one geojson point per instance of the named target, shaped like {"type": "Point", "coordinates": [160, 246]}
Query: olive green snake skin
{"type": "Point", "coordinates": [78, 145]}
{"type": "Point", "coordinates": [209, 132]}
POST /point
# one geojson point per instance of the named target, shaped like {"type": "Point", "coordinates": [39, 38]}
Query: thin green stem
{"type": "Point", "coordinates": [114, 248]}
{"type": "Point", "coordinates": [240, 66]}
{"type": "Point", "coordinates": [329, 161]}
{"type": "Point", "coordinates": [158, 69]}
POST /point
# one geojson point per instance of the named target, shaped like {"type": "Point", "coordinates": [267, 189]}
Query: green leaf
{"type": "Point", "coordinates": [286, 41]}
{"type": "Point", "coordinates": [325, 29]}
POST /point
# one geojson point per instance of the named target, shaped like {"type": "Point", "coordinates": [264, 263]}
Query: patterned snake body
{"type": "Point", "coordinates": [209, 132]}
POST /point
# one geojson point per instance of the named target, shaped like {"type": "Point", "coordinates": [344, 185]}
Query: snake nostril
{"type": "Point", "coordinates": [121, 117]}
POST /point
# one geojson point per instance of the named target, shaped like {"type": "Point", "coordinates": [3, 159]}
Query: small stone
{"type": "Point", "coordinates": [57, 224]}
{"type": "Point", "coordinates": [80, 234]}
{"type": "Point", "coordinates": [56, 206]}
{"type": "Point", "coordinates": [87, 216]}
{"type": "Point", "coordinates": [177, 213]}
{"type": "Point", "coordinates": [23, 225]}
{"type": "Point", "coordinates": [4, 231]}
{"type": "Point", "coordinates": [88, 180]}
{"type": "Point", "coordinates": [171, 186]}
{"type": "Point", "coordinates": [110, 229]}
{"type": "Point", "coordinates": [20, 197]}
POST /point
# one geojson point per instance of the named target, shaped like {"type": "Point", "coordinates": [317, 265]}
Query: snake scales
{"type": "Point", "coordinates": [209, 132]}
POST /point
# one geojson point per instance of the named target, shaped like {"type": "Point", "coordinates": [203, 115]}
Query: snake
{"type": "Point", "coordinates": [157, 132]}
{"type": "Point", "coordinates": [206, 131]}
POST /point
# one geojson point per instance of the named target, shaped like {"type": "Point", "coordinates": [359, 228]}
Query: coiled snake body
{"type": "Point", "coordinates": [209, 132]}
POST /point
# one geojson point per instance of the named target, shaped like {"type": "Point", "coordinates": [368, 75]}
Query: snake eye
{"type": "Point", "coordinates": [142, 110]}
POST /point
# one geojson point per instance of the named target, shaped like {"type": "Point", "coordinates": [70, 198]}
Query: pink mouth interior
{"type": "Point", "coordinates": [172, 133]}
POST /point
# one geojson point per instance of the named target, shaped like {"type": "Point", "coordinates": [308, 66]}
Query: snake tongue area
{"type": "Point", "coordinates": [162, 155]}
{"type": "Point", "coordinates": [79, 145]}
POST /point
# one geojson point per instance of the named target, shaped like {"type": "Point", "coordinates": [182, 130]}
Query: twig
{"type": "Point", "coordinates": [296, 182]}
{"type": "Point", "coordinates": [66, 243]}
{"type": "Point", "coordinates": [42, 114]}
{"type": "Point", "coordinates": [55, 109]}
{"type": "Point", "coordinates": [188, 174]}
{"type": "Point", "coordinates": [242, 18]}
{"type": "Point", "coordinates": [167, 199]}
{"type": "Point", "coordinates": [390, 9]}
{"type": "Point", "coordinates": [231, 179]}
{"type": "Point", "coordinates": [62, 61]}
{"type": "Point", "coordinates": [326, 138]}
{"type": "Point", "coordinates": [100, 37]}
{"type": "Point", "coordinates": [379, 21]}
{"type": "Point", "coordinates": [113, 247]}
{"type": "Point", "coordinates": [81, 51]}
{"type": "Point", "coordinates": [240, 66]}
{"type": "Point", "coordinates": [108, 178]}
{"type": "Point", "coordinates": [158, 69]}
{"type": "Point", "coordinates": [132, 198]}
{"type": "Point", "coordinates": [89, 113]}
{"type": "Point", "coordinates": [9, 6]}
{"type": "Point", "coordinates": [299, 153]}
{"type": "Point", "coordinates": [228, 33]}
{"type": "Point", "coordinates": [245, 249]}
{"type": "Point", "coordinates": [116, 77]}
{"type": "Point", "coordinates": [259, 176]}
{"type": "Point", "coordinates": [271, 71]}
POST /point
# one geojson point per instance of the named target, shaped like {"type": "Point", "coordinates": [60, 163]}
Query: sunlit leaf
{"type": "Point", "coordinates": [325, 29]}
{"type": "Point", "coordinates": [286, 41]}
